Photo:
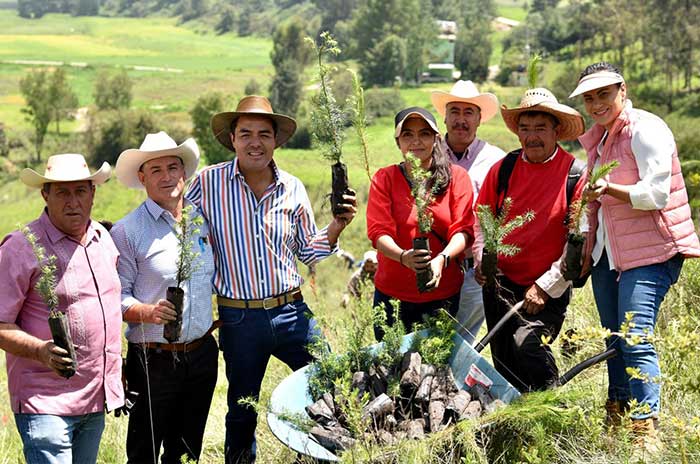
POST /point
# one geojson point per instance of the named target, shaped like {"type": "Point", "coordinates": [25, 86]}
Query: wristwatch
{"type": "Point", "coordinates": [447, 259]}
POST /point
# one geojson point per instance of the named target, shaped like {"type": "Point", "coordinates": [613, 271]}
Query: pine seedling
{"type": "Point", "coordinates": [579, 208]}
{"type": "Point", "coordinates": [46, 285]}
{"type": "Point", "coordinates": [188, 227]}
{"type": "Point", "coordinates": [423, 195]}
{"type": "Point", "coordinates": [327, 118]}
{"type": "Point", "coordinates": [359, 120]}
{"type": "Point", "coordinates": [494, 228]}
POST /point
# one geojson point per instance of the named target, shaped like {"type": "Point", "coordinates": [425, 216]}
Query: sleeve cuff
{"type": "Point", "coordinates": [321, 245]}
{"type": "Point", "coordinates": [128, 302]}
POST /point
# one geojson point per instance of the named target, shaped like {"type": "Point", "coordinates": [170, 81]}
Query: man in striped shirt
{"type": "Point", "coordinates": [260, 221]}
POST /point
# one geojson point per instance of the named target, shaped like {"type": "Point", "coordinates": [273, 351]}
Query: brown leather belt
{"type": "Point", "coordinates": [267, 303]}
{"type": "Point", "coordinates": [181, 347]}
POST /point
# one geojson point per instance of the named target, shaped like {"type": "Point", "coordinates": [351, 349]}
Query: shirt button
{"type": "Point", "coordinates": [259, 258]}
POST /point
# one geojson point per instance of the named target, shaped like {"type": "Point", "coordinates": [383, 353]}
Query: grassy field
{"type": "Point", "coordinates": [564, 426]}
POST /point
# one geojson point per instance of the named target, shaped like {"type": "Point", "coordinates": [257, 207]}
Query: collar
{"type": "Point", "coordinates": [277, 174]}
{"type": "Point", "coordinates": [55, 235]}
{"type": "Point", "coordinates": [471, 148]}
{"type": "Point", "coordinates": [156, 211]}
{"type": "Point", "coordinates": [556, 150]}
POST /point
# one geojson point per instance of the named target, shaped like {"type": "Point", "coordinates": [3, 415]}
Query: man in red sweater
{"type": "Point", "coordinates": [537, 182]}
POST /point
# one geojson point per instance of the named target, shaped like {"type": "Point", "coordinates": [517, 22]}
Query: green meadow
{"type": "Point", "coordinates": [562, 426]}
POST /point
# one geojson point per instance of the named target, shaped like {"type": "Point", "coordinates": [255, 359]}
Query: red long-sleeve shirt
{"type": "Point", "coordinates": [540, 187]}
{"type": "Point", "coordinates": [391, 211]}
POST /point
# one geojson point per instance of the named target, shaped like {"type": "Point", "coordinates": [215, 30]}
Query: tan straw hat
{"type": "Point", "coordinates": [68, 167]}
{"type": "Point", "coordinates": [253, 105]}
{"type": "Point", "coordinates": [155, 146]}
{"type": "Point", "coordinates": [571, 123]}
{"type": "Point", "coordinates": [466, 92]}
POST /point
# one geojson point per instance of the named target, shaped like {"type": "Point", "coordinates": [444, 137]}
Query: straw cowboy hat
{"type": "Point", "coordinates": [68, 167]}
{"type": "Point", "coordinates": [221, 123]}
{"type": "Point", "coordinates": [466, 92]}
{"type": "Point", "coordinates": [571, 123]}
{"type": "Point", "coordinates": [155, 146]}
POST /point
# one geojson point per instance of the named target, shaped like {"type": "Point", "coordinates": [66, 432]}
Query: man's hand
{"type": "Point", "coordinates": [162, 312]}
{"type": "Point", "coordinates": [55, 358]}
{"type": "Point", "coordinates": [535, 299]}
{"type": "Point", "coordinates": [340, 221]}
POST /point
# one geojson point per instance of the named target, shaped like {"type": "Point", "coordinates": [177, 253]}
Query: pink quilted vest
{"type": "Point", "coordinates": [637, 237]}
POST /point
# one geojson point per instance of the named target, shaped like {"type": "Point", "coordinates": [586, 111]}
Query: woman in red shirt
{"type": "Point", "coordinates": [392, 224]}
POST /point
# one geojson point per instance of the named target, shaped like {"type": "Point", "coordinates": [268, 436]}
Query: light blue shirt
{"type": "Point", "coordinates": [147, 243]}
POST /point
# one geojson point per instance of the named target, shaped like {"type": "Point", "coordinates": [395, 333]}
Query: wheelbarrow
{"type": "Point", "coordinates": [291, 396]}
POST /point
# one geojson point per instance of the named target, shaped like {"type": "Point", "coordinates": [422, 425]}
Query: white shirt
{"type": "Point", "coordinates": [653, 146]}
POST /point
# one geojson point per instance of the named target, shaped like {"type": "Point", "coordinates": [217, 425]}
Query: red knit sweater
{"type": "Point", "coordinates": [540, 187]}
{"type": "Point", "coordinates": [391, 211]}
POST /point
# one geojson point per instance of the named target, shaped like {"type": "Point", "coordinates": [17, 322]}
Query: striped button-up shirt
{"type": "Point", "coordinates": [148, 255]}
{"type": "Point", "coordinates": [256, 242]}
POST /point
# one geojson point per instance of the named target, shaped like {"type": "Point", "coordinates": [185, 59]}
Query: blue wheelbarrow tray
{"type": "Point", "coordinates": [291, 396]}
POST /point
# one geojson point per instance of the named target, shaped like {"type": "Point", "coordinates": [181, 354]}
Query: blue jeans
{"type": "Point", "coordinates": [248, 338]}
{"type": "Point", "coordinates": [471, 308]}
{"type": "Point", "coordinates": [52, 439]}
{"type": "Point", "coordinates": [639, 291]}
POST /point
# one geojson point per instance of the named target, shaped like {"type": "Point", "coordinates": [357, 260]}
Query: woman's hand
{"type": "Point", "coordinates": [437, 264]}
{"type": "Point", "coordinates": [415, 260]}
{"type": "Point", "coordinates": [595, 191]}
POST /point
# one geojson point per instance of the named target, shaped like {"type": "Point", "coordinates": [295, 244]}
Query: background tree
{"type": "Point", "coordinates": [31, 9]}
{"type": "Point", "coordinates": [35, 90]}
{"type": "Point", "coordinates": [385, 62]}
{"type": "Point", "coordinates": [289, 56]}
{"type": "Point", "coordinates": [473, 50]}
{"type": "Point", "coordinates": [86, 8]}
{"type": "Point", "coordinates": [227, 21]}
{"type": "Point", "coordinates": [206, 106]}
{"type": "Point", "coordinates": [113, 92]}
{"type": "Point", "coordinates": [61, 97]}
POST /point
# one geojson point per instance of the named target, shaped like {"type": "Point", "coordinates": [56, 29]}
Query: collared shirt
{"type": "Point", "coordinates": [147, 242]}
{"type": "Point", "coordinates": [256, 242]}
{"type": "Point", "coordinates": [480, 156]}
{"type": "Point", "coordinates": [652, 146]}
{"type": "Point", "coordinates": [88, 292]}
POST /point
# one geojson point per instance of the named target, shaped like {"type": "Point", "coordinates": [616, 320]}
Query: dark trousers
{"type": "Point", "coordinates": [412, 313]}
{"type": "Point", "coordinates": [517, 350]}
{"type": "Point", "coordinates": [248, 338]}
{"type": "Point", "coordinates": [181, 389]}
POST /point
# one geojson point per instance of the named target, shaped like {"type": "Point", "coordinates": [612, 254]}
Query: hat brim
{"type": "Point", "coordinates": [571, 123]}
{"type": "Point", "coordinates": [33, 179]}
{"type": "Point", "coordinates": [586, 85]}
{"type": "Point", "coordinates": [487, 103]}
{"type": "Point", "coordinates": [416, 114]}
{"type": "Point", "coordinates": [131, 160]}
{"type": "Point", "coordinates": [221, 126]}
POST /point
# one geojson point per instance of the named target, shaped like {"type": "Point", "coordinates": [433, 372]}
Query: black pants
{"type": "Point", "coordinates": [517, 350]}
{"type": "Point", "coordinates": [412, 313]}
{"type": "Point", "coordinates": [181, 389]}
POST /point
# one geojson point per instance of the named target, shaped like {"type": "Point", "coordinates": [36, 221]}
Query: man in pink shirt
{"type": "Point", "coordinates": [61, 420]}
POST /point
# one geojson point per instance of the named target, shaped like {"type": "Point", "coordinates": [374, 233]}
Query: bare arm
{"type": "Point", "coordinates": [16, 341]}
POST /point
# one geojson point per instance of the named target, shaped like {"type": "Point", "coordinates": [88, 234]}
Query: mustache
{"type": "Point", "coordinates": [534, 144]}
{"type": "Point", "coordinates": [460, 126]}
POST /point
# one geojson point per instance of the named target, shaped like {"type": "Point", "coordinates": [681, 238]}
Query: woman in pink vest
{"type": "Point", "coordinates": [640, 233]}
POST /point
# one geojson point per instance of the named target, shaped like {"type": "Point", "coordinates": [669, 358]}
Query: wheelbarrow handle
{"type": "Point", "coordinates": [585, 364]}
{"type": "Point", "coordinates": [481, 344]}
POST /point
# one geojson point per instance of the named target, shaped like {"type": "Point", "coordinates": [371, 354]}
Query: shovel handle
{"type": "Point", "coordinates": [481, 344]}
{"type": "Point", "coordinates": [585, 364]}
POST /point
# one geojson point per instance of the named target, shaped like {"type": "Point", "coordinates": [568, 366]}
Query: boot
{"type": "Point", "coordinates": [614, 412]}
{"type": "Point", "coordinates": [645, 437]}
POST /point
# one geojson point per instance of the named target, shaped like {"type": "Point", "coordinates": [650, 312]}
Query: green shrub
{"type": "Point", "coordinates": [382, 102]}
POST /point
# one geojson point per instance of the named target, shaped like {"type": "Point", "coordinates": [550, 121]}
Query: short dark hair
{"type": "Point", "coordinates": [46, 188]}
{"type": "Point", "coordinates": [598, 67]}
{"type": "Point", "coordinates": [550, 116]}
{"type": "Point", "coordinates": [141, 167]}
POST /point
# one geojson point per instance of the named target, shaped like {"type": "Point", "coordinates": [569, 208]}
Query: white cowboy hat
{"type": "Point", "coordinates": [596, 81]}
{"type": "Point", "coordinates": [252, 105]}
{"type": "Point", "coordinates": [155, 146]}
{"type": "Point", "coordinates": [571, 123]}
{"type": "Point", "coordinates": [465, 91]}
{"type": "Point", "coordinates": [370, 255]}
{"type": "Point", "coordinates": [68, 167]}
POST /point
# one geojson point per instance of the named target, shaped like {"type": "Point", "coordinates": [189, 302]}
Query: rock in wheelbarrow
{"type": "Point", "coordinates": [360, 382]}
{"type": "Point", "coordinates": [457, 405]}
{"type": "Point", "coordinates": [436, 413]}
{"type": "Point", "coordinates": [333, 438]}
{"type": "Point", "coordinates": [321, 412]}
{"type": "Point", "coordinates": [410, 374]}
{"type": "Point", "coordinates": [378, 380]}
{"type": "Point", "coordinates": [378, 409]}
